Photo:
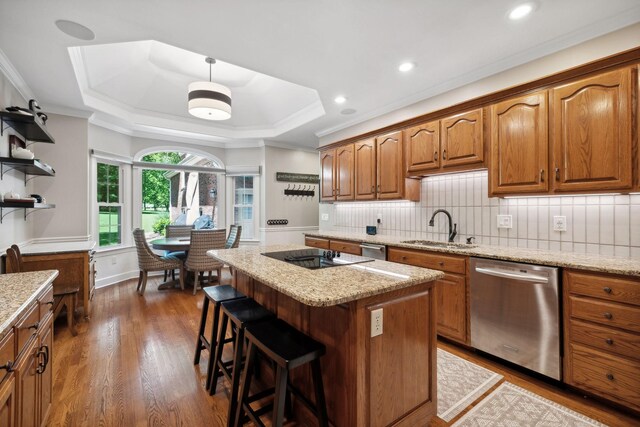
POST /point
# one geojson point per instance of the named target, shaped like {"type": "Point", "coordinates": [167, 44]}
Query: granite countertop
{"type": "Point", "coordinates": [17, 292]}
{"type": "Point", "coordinates": [57, 248]}
{"type": "Point", "coordinates": [327, 286]}
{"type": "Point", "coordinates": [592, 262]}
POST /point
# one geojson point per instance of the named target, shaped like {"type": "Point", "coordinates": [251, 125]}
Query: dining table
{"type": "Point", "coordinates": [172, 244]}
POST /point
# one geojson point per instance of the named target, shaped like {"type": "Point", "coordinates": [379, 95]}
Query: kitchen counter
{"type": "Point", "coordinates": [57, 248]}
{"type": "Point", "coordinates": [327, 286]}
{"type": "Point", "coordinates": [592, 262]}
{"type": "Point", "coordinates": [17, 292]}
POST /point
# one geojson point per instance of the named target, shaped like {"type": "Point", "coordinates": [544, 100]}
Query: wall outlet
{"type": "Point", "coordinates": [376, 322]}
{"type": "Point", "coordinates": [559, 223]}
{"type": "Point", "coordinates": [324, 217]}
{"type": "Point", "coordinates": [505, 221]}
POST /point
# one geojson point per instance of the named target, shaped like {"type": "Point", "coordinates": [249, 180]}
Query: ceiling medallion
{"type": "Point", "coordinates": [208, 100]}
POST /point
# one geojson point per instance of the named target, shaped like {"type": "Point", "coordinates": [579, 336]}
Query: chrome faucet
{"type": "Point", "coordinates": [452, 232]}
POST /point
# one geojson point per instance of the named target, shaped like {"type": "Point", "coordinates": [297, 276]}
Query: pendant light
{"type": "Point", "coordinates": [208, 100]}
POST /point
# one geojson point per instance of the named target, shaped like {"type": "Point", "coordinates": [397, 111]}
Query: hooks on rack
{"type": "Point", "coordinates": [300, 190]}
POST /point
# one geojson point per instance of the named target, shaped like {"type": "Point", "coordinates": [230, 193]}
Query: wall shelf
{"type": "Point", "coordinates": [26, 125]}
{"type": "Point", "coordinates": [31, 167]}
{"type": "Point", "coordinates": [14, 206]}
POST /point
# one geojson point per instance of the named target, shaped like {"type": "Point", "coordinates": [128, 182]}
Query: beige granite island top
{"type": "Point", "coordinates": [17, 292]}
{"type": "Point", "coordinates": [592, 262]}
{"type": "Point", "coordinates": [327, 286]}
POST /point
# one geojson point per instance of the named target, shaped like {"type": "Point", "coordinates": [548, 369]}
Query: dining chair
{"type": "Point", "coordinates": [16, 248]}
{"type": "Point", "coordinates": [233, 240]}
{"type": "Point", "coordinates": [198, 261]}
{"type": "Point", "coordinates": [13, 261]}
{"type": "Point", "coordinates": [176, 231]}
{"type": "Point", "coordinates": [148, 261]}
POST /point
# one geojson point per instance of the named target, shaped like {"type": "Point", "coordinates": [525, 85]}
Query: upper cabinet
{"type": "Point", "coordinates": [519, 146]}
{"type": "Point", "coordinates": [337, 181]}
{"type": "Point", "coordinates": [390, 166]}
{"type": "Point", "coordinates": [591, 133]}
{"type": "Point", "coordinates": [328, 172]}
{"type": "Point", "coordinates": [462, 139]}
{"type": "Point", "coordinates": [365, 169]}
{"type": "Point", "coordinates": [455, 143]}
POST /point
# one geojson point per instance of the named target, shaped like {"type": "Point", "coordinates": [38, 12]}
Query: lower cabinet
{"type": "Point", "coordinates": [345, 246]}
{"type": "Point", "coordinates": [8, 402]}
{"type": "Point", "coordinates": [451, 290]}
{"type": "Point", "coordinates": [27, 386]}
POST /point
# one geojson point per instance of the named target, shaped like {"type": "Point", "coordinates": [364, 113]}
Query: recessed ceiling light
{"type": "Point", "coordinates": [75, 30]}
{"type": "Point", "coordinates": [521, 11]}
{"type": "Point", "coordinates": [406, 66]}
{"type": "Point", "coordinates": [347, 111]}
{"type": "Point", "coordinates": [340, 99]}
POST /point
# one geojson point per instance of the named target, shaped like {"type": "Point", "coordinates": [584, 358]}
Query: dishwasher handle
{"type": "Point", "coordinates": [373, 247]}
{"type": "Point", "coordinates": [509, 275]}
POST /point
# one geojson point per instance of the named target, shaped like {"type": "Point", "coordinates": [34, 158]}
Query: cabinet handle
{"type": "Point", "coordinates": [50, 303]}
{"type": "Point", "coordinates": [7, 366]}
{"type": "Point", "coordinates": [541, 175]}
{"type": "Point", "coordinates": [34, 326]}
{"type": "Point", "coordinates": [378, 188]}
{"type": "Point", "coordinates": [608, 316]}
{"type": "Point", "coordinates": [441, 263]}
{"type": "Point", "coordinates": [403, 258]}
{"type": "Point", "coordinates": [609, 341]}
{"type": "Point", "coordinates": [444, 154]}
{"type": "Point", "coordinates": [607, 289]}
{"type": "Point", "coordinates": [373, 188]}
{"type": "Point", "coordinates": [435, 156]}
{"type": "Point", "coordinates": [610, 377]}
{"type": "Point", "coordinates": [557, 174]}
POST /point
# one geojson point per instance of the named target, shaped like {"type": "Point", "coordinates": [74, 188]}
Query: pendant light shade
{"type": "Point", "coordinates": [208, 100]}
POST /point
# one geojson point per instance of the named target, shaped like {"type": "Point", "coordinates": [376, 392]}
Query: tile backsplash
{"type": "Point", "coordinates": [603, 224]}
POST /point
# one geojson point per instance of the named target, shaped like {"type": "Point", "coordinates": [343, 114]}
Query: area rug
{"type": "Point", "coordinates": [460, 383]}
{"type": "Point", "coordinates": [510, 405]}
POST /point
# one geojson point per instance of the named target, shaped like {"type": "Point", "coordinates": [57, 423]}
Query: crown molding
{"type": "Point", "coordinates": [15, 78]}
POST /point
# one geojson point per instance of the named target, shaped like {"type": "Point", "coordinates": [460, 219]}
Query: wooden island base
{"type": "Point", "coordinates": [385, 380]}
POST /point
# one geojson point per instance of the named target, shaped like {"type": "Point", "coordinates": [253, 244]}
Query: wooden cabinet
{"type": "Point", "coordinates": [602, 335]}
{"type": "Point", "coordinates": [518, 161]}
{"type": "Point", "coordinates": [365, 169]}
{"type": "Point", "coordinates": [27, 386]}
{"type": "Point", "coordinates": [462, 140]}
{"type": "Point", "coordinates": [451, 291]}
{"type": "Point", "coordinates": [345, 246]}
{"type": "Point", "coordinates": [455, 143]}
{"type": "Point", "coordinates": [8, 402]}
{"type": "Point", "coordinates": [45, 370]}
{"type": "Point", "coordinates": [327, 175]}
{"type": "Point", "coordinates": [591, 133]}
{"type": "Point", "coordinates": [75, 269]}
{"type": "Point", "coordinates": [389, 166]}
{"type": "Point", "coordinates": [423, 147]}
{"type": "Point", "coordinates": [316, 242]}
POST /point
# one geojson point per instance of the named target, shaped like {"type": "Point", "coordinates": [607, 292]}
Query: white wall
{"type": "Point", "coordinates": [14, 229]}
{"type": "Point", "coordinates": [302, 212]}
{"type": "Point", "coordinates": [601, 47]}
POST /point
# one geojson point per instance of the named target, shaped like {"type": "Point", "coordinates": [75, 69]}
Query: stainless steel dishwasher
{"type": "Point", "coordinates": [515, 313]}
{"type": "Point", "coordinates": [374, 251]}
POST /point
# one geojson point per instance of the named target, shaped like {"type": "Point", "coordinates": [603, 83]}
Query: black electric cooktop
{"type": "Point", "coordinates": [317, 258]}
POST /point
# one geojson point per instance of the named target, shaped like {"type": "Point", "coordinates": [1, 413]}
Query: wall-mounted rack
{"type": "Point", "coordinates": [26, 125]}
{"type": "Point", "coordinates": [300, 190]}
{"type": "Point", "coordinates": [14, 206]}
{"type": "Point", "coordinates": [31, 167]}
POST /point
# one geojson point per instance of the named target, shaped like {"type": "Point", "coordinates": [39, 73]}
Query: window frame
{"type": "Point", "coordinates": [255, 205]}
{"type": "Point", "coordinates": [118, 204]}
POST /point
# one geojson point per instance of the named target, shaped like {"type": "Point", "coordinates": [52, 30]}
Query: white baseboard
{"type": "Point", "coordinates": [121, 277]}
{"type": "Point", "coordinates": [60, 239]}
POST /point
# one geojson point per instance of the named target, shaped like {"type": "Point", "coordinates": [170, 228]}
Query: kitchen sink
{"type": "Point", "coordinates": [430, 243]}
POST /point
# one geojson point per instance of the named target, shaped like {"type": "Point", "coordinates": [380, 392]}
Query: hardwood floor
{"type": "Point", "coordinates": [132, 365]}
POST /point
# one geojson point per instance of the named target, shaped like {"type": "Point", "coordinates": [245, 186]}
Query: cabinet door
{"type": "Point", "coordinates": [390, 172]}
{"type": "Point", "coordinates": [27, 387]}
{"type": "Point", "coordinates": [462, 139]}
{"type": "Point", "coordinates": [591, 133]}
{"type": "Point", "coordinates": [8, 402]}
{"type": "Point", "coordinates": [365, 169]}
{"type": "Point", "coordinates": [344, 172]}
{"type": "Point", "coordinates": [452, 308]}
{"type": "Point", "coordinates": [423, 147]}
{"type": "Point", "coordinates": [519, 145]}
{"type": "Point", "coordinates": [46, 376]}
{"type": "Point", "coordinates": [327, 180]}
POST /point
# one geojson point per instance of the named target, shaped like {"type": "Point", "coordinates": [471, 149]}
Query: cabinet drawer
{"type": "Point", "coordinates": [436, 261]}
{"type": "Point", "coordinates": [605, 313]}
{"type": "Point", "coordinates": [45, 302]}
{"type": "Point", "coordinates": [316, 243]}
{"type": "Point", "coordinates": [607, 339]}
{"type": "Point", "coordinates": [27, 327]}
{"type": "Point", "coordinates": [611, 288]}
{"type": "Point", "coordinates": [344, 246]}
{"type": "Point", "coordinates": [606, 375]}
{"type": "Point", "coordinates": [7, 353]}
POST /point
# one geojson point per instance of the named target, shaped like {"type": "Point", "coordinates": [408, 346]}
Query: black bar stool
{"type": "Point", "coordinates": [288, 348]}
{"type": "Point", "coordinates": [217, 295]}
{"type": "Point", "coordinates": [241, 312]}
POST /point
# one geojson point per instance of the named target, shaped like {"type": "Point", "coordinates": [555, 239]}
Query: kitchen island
{"type": "Point", "coordinates": [388, 379]}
